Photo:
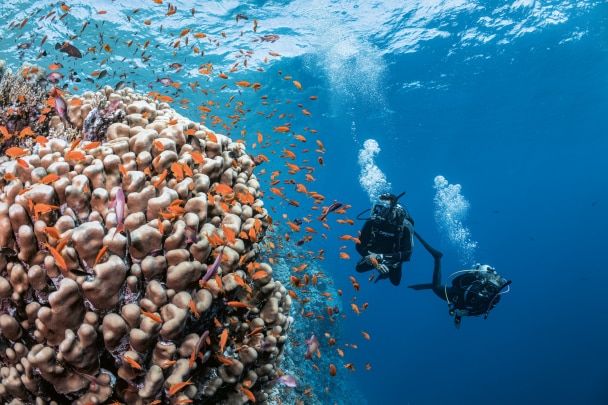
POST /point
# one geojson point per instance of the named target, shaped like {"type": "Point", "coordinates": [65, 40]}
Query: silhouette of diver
{"type": "Point", "coordinates": [473, 292]}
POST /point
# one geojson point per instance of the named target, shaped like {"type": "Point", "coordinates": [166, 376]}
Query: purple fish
{"type": "Point", "coordinates": [269, 38]}
{"type": "Point", "coordinates": [312, 346]}
{"type": "Point", "coordinates": [54, 77]}
{"type": "Point", "coordinates": [119, 204]}
{"type": "Point", "coordinates": [191, 236]}
{"type": "Point", "coordinates": [59, 103]}
{"type": "Point", "coordinates": [334, 206]}
{"type": "Point", "coordinates": [165, 80]}
{"type": "Point", "coordinates": [288, 380]}
{"type": "Point", "coordinates": [213, 268]}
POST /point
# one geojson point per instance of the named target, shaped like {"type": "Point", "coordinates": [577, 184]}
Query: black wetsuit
{"type": "Point", "coordinates": [394, 242]}
{"type": "Point", "coordinates": [463, 294]}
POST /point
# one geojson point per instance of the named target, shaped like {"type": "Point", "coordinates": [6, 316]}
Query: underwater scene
{"type": "Point", "coordinates": [303, 202]}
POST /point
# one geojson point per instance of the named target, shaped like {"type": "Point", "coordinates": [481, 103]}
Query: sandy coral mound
{"type": "Point", "coordinates": [128, 245]}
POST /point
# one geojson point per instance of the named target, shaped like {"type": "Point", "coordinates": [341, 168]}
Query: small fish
{"type": "Point", "coordinates": [312, 347]}
{"type": "Point", "coordinates": [54, 77]}
{"type": "Point", "coordinates": [176, 387]}
{"type": "Point", "coordinates": [332, 370]}
{"type": "Point", "coordinates": [334, 206]}
{"type": "Point", "coordinates": [247, 393]}
{"type": "Point", "coordinates": [70, 49]}
{"type": "Point", "coordinates": [288, 380]}
{"type": "Point", "coordinates": [120, 205]}
{"type": "Point", "coordinates": [238, 304]}
{"type": "Point", "coordinates": [223, 340]}
{"type": "Point", "coordinates": [132, 362]}
{"type": "Point", "coordinates": [155, 317]}
{"type": "Point", "coordinates": [59, 103]}
{"type": "Point", "coordinates": [165, 80]}
{"type": "Point", "coordinates": [198, 347]}
{"type": "Point", "coordinates": [269, 38]}
{"type": "Point", "coordinates": [213, 268]}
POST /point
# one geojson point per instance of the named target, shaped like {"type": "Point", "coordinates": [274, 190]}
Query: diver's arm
{"type": "Point", "coordinates": [396, 256]}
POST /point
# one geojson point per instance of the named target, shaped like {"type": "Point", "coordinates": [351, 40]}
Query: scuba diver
{"type": "Point", "coordinates": [387, 238]}
{"type": "Point", "coordinates": [473, 292]}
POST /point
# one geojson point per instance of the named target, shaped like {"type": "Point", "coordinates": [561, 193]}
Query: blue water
{"type": "Point", "coordinates": [507, 101]}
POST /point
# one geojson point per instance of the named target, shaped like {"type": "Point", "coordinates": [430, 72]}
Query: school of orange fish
{"type": "Point", "coordinates": [292, 154]}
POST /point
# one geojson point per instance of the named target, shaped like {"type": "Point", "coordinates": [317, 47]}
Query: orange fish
{"type": "Point", "coordinates": [282, 128]}
{"type": "Point", "coordinates": [155, 317]}
{"type": "Point", "coordinates": [41, 208]}
{"type": "Point", "coordinates": [238, 304]}
{"type": "Point", "coordinates": [160, 179]}
{"type": "Point", "coordinates": [42, 140]}
{"type": "Point", "coordinates": [91, 145]}
{"type": "Point", "coordinates": [197, 157]}
{"type": "Point", "coordinates": [15, 152]}
{"type": "Point", "coordinates": [247, 393]}
{"type": "Point", "coordinates": [27, 131]}
{"type": "Point", "coordinates": [52, 232]}
{"type": "Point", "coordinates": [224, 360]}
{"type": "Point", "coordinates": [132, 362]}
{"type": "Point", "coordinates": [100, 255]}
{"type": "Point", "coordinates": [193, 309]}
{"type": "Point", "coordinates": [176, 387]}
{"type": "Point", "coordinates": [259, 274]}
{"type": "Point", "coordinates": [22, 163]}
{"type": "Point", "coordinates": [332, 370]}
{"type": "Point", "coordinates": [365, 335]}
{"type": "Point", "coordinates": [75, 155]}
{"type": "Point", "coordinates": [223, 340]}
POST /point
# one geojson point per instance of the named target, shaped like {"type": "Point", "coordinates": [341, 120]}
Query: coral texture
{"type": "Point", "coordinates": [128, 245]}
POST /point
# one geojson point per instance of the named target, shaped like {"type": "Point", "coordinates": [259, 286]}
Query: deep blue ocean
{"type": "Point", "coordinates": [507, 101]}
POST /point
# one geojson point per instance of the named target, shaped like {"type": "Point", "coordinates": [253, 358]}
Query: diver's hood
{"type": "Point", "coordinates": [387, 209]}
{"type": "Point", "coordinates": [491, 276]}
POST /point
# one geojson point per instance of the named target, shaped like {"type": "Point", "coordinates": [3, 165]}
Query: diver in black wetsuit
{"type": "Point", "coordinates": [473, 292]}
{"type": "Point", "coordinates": [387, 239]}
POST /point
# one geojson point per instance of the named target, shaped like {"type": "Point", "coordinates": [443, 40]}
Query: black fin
{"type": "Point", "coordinates": [418, 287]}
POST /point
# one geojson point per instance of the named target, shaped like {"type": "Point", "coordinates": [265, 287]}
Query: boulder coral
{"type": "Point", "coordinates": [129, 240]}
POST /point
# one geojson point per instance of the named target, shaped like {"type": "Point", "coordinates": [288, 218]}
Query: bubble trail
{"type": "Point", "coordinates": [451, 209]}
{"type": "Point", "coordinates": [371, 178]}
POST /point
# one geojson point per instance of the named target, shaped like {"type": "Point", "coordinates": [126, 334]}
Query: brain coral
{"type": "Point", "coordinates": [129, 239]}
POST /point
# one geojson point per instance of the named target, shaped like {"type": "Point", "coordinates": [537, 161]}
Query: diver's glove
{"type": "Point", "coordinates": [383, 269]}
{"type": "Point", "coordinates": [379, 258]}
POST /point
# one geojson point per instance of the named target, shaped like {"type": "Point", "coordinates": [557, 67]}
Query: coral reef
{"type": "Point", "coordinates": [22, 103]}
{"type": "Point", "coordinates": [128, 245]}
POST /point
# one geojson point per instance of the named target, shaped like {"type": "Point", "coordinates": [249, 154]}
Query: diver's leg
{"type": "Point", "coordinates": [438, 288]}
{"type": "Point", "coordinates": [394, 275]}
{"type": "Point", "coordinates": [429, 248]}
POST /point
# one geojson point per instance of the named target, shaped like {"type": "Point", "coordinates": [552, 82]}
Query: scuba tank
{"type": "Point", "coordinates": [477, 291]}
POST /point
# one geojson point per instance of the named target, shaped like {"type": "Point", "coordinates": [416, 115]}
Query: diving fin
{"type": "Point", "coordinates": [418, 287]}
